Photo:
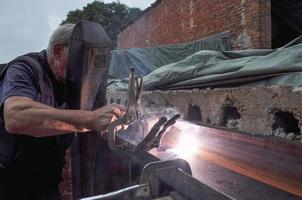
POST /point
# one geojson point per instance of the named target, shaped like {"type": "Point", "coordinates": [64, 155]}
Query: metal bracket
{"type": "Point", "coordinates": [149, 172]}
{"type": "Point", "coordinates": [177, 175]}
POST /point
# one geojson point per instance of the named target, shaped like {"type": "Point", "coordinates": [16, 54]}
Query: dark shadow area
{"type": "Point", "coordinates": [229, 113]}
{"type": "Point", "coordinates": [287, 122]}
{"type": "Point", "coordinates": [286, 18]}
{"type": "Point", "coordinates": [194, 113]}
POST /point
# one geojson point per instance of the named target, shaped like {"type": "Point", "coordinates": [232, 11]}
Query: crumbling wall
{"type": "Point", "coordinates": [269, 111]}
{"type": "Point", "coordinates": [178, 21]}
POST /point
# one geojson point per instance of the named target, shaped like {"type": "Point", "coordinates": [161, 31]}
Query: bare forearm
{"type": "Point", "coordinates": [40, 120]}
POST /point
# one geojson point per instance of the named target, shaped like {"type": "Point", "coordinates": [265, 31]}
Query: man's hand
{"type": "Point", "coordinates": [24, 116]}
{"type": "Point", "coordinates": [102, 117]}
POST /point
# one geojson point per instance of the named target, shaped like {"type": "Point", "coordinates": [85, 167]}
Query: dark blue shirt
{"type": "Point", "coordinates": [31, 165]}
{"type": "Point", "coordinates": [20, 80]}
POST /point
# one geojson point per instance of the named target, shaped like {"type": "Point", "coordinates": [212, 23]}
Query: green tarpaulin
{"type": "Point", "coordinates": [217, 68]}
{"type": "Point", "coordinates": [146, 60]}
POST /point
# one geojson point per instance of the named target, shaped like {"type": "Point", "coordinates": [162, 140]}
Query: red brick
{"type": "Point", "coordinates": [169, 22]}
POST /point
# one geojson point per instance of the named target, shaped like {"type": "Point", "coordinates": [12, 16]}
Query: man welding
{"type": "Point", "coordinates": [42, 99]}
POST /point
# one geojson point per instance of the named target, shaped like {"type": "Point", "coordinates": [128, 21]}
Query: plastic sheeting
{"type": "Point", "coordinates": [146, 60]}
{"type": "Point", "coordinates": [207, 68]}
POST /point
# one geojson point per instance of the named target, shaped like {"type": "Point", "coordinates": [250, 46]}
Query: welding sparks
{"type": "Point", "coordinates": [186, 144]}
{"type": "Point", "coordinates": [181, 139]}
{"type": "Point", "coordinates": [186, 147]}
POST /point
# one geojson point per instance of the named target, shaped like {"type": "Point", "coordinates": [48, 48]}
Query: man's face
{"type": "Point", "coordinates": [64, 64]}
{"type": "Point", "coordinates": [61, 68]}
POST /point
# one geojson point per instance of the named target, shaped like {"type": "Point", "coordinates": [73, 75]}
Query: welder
{"type": "Point", "coordinates": [42, 98]}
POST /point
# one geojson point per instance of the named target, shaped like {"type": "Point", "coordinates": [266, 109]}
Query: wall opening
{"type": "Point", "coordinates": [230, 117]}
{"type": "Point", "coordinates": [287, 122]}
{"type": "Point", "coordinates": [286, 21]}
{"type": "Point", "coordinates": [194, 113]}
{"type": "Point", "coordinates": [118, 101]}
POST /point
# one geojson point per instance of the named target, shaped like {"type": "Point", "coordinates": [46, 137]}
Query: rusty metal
{"type": "Point", "coordinates": [263, 169]}
{"type": "Point", "coordinates": [241, 166]}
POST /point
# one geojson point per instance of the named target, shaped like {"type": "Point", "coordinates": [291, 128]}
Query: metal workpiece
{"type": "Point", "coordinates": [164, 180]}
{"type": "Point", "coordinates": [187, 186]}
{"type": "Point", "coordinates": [147, 141]}
{"type": "Point", "coordinates": [234, 164]}
{"type": "Point", "coordinates": [133, 111]}
{"type": "Point", "coordinates": [210, 172]}
{"type": "Point", "coordinates": [149, 173]}
{"type": "Point", "coordinates": [137, 154]}
{"type": "Point", "coordinates": [137, 192]}
{"type": "Point", "coordinates": [176, 176]}
{"type": "Point", "coordinates": [150, 168]}
{"type": "Point", "coordinates": [134, 114]}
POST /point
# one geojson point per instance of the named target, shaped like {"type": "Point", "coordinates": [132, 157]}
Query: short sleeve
{"type": "Point", "coordinates": [19, 80]}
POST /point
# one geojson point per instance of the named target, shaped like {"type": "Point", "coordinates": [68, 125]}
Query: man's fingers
{"type": "Point", "coordinates": [123, 109]}
{"type": "Point", "coordinates": [119, 110]}
{"type": "Point", "coordinates": [113, 118]}
{"type": "Point", "coordinates": [121, 127]}
{"type": "Point", "coordinates": [107, 115]}
{"type": "Point", "coordinates": [125, 126]}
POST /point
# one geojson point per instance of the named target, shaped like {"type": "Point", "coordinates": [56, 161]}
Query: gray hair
{"type": "Point", "coordinates": [62, 34]}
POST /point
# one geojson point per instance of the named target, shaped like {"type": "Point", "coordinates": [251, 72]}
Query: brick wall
{"type": "Point", "coordinates": [178, 21]}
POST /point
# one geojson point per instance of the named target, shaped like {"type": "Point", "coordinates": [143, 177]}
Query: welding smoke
{"type": "Point", "coordinates": [155, 112]}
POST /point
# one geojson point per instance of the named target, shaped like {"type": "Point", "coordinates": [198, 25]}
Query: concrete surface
{"type": "Point", "coordinates": [269, 111]}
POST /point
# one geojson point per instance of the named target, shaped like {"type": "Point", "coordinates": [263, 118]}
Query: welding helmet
{"type": "Point", "coordinates": [86, 78]}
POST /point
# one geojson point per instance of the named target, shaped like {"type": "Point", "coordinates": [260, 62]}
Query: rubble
{"type": "Point", "coordinates": [233, 124]}
{"type": "Point", "coordinates": [290, 136]}
{"type": "Point", "coordinates": [279, 132]}
{"type": "Point", "coordinates": [298, 137]}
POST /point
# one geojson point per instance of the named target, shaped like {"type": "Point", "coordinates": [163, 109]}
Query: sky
{"type": "Point", "coordinates": [26, 25]}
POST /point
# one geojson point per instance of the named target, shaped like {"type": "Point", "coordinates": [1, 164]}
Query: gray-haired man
{"type": "Point", "coordinates": [35, 121]}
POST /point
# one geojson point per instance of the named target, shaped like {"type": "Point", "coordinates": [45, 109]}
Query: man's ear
{"type": "Point", "coordinates": [57, 50]}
